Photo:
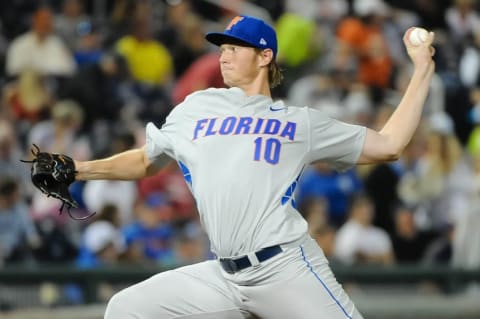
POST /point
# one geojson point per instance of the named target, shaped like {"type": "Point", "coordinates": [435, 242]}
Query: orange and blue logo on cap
{"type": "Point", "coordinates": [234, 22]}
{"type": "Point", "coordinates": [250, 30]}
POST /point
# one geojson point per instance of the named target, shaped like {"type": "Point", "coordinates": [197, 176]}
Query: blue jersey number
{"type": "Point", "coordinates": [271, 151]}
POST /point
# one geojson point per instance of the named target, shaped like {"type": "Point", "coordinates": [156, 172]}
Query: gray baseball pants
{"type": "Point", "coordinates": [295, 284]}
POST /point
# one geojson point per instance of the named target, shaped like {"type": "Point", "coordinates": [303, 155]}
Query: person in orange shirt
{"type": "Point", "coordinates": [360, 38]}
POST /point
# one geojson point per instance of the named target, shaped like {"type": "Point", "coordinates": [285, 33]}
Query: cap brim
{"type": "Point", "coordinates": [221, 38]}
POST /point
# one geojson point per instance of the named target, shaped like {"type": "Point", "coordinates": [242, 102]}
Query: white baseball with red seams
{"type": "Point", "coordinates": [418, 36]}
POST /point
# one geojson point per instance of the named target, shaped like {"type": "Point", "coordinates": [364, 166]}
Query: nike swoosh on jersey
{"type": "Point", "coordinates": [275, 110]}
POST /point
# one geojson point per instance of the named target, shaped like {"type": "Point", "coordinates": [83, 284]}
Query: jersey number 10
{"type": "Point", "coordinates": [270, 149]}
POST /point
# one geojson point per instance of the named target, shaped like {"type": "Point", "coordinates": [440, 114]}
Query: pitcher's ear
{"type": "Point", "coordinates": [267, 56]}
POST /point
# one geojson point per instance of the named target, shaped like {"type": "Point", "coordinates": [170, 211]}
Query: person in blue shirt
{"type": "Point", "coordinates": [150, 237]}
{"type": "Point", "coordinates": [18, 234]}
{"type": "Point", "coordinates": [319, 181]}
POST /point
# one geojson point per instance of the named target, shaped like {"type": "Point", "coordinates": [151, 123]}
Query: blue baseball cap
{"type": "Point", "coordinates": [249, 30]}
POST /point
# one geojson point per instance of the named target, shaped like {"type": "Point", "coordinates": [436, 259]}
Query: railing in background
{"type": "Point", "coordinates": [396, 292]}
{"type": "Point", "coordinates": [90, 279]}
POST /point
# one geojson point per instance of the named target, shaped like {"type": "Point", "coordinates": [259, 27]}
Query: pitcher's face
{"type": "Point", "coordinates": [238, 64]}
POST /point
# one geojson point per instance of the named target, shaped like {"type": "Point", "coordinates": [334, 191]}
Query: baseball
{"type": "Point", "coordinates": [418, 36]}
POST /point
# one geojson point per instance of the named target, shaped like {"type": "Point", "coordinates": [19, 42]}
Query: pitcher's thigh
{"type": "Point", "coordinates": [195, 292]}
{"type": "Point", "coordinates": [306, 289]}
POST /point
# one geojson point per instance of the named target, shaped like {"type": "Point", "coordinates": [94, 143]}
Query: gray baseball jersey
{"type": "Point", "coordinates": [242, 157]}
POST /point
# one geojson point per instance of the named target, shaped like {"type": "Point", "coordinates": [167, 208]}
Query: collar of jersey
{"type": "Point", "coordinates": [252, 98]}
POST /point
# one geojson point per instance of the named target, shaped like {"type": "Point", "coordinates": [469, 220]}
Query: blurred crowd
{"type": "Point", "coordinates": [83, 78]}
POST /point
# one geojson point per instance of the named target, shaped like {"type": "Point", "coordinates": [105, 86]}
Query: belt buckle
{"type": "Point", "coordinates": [231, 265]}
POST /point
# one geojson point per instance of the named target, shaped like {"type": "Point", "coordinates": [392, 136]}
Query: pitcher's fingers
{"type": "Point", "coordinates": [407, 34]}
{"type": "Point", "coordinates": [431, 37]}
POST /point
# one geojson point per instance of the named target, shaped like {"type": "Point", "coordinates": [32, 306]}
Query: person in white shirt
{"type": "Point", "coordinates": [39, 49]}
{"type": "Point", "coordinates": [358, 241]}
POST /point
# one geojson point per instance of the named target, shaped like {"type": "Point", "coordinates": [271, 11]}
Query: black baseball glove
{"type": "Point", "coordinates": [52, 174]}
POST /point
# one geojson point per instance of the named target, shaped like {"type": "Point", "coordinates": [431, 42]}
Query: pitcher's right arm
{"type": "Point", "coordinates": [389, 143]}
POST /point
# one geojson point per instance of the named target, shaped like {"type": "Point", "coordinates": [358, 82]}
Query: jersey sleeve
{"type": "Point", "coordinates": [337, 143]}
{"type": "Point", "coordinates": [161, 140]}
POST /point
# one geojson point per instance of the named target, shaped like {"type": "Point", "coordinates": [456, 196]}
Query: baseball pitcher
{"type": "Point", "coordinates": [242, 154]}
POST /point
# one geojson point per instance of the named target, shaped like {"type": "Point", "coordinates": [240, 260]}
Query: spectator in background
{"type": "Point", "coordinates": [175, 12]}
{"type": "Point", "coordinates": [10, 153]}
{"type": "Point", "coordinates": [190, 244]}
{"type": "Point", "coordinates": [28, 98]}
{"type": "Point", "coordinates": [89, 45]}
{"type": "Point", "coordinates": [319, 91]}
{"type": "Point", "coordinates": [190, 44]}
{"type": "Point", "coordinates": [150, 237]}
{"type": "Point", "coordinates": [58, 244]}
{"type": "Point", "coordinates": [119, 18]}
{"type": "Point", "coordinates": [92, 84]}
{"type": "Point", "coordinates": [358, 241]}
{"type": "Point", "coordinates": [473, 143]}
{"type": "Point", "coordinates": [39, 49]}
{"type": "Point", "coordinates": [325, 237]}
{"type": "Point", "coordinates": [151, 67]}
{"type": "Point", "coordinates": [18, 236]}
{"type": "Point", "coordinates": [322, 181]}
{"type": "Point", "coordinates": [102, 245]}
{"type": "Point", "coordinates": [299, 44]}
{"type": "Point", "coordinates": [60, 133]}
{"type": "Point", "coordinates": [381, 180]}
{"type": "Point", "coordinates": [149, 61]}
{"type": "Point", "coordinates": [440, 183]}
{"type": "Point", "coordinates": [409, 242]}
{"type": "Point", "coordinates": [297, 39]}
{"type": "Point", "coordinates": [171, 182]}
{"type": "Point", "coordinates": [358, 106]}
{"type": "Point", "coordinates": [466, 238]}
{"type": "Point", "coordinates": [70, 23]}
{"type": "Point", "coordinates": [315, 212]}
{"type": "Point", "coordinates": [361, 42]}
{"type": "Point", "coordinates": [102, 242]}
{"type": "Point", "coordinates": [469, 63]}
{"type": "Point", "coordinates": [98, 193]}
{"type": "Point", "coordinates": [462, 20]}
